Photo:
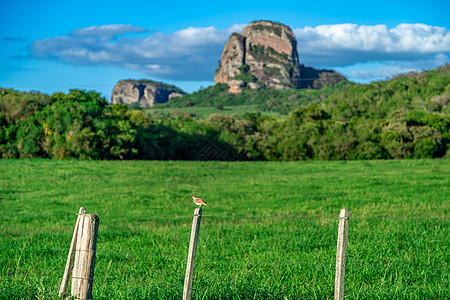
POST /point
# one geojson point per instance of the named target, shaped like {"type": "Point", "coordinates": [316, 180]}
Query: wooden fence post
{"type": "Point", "coordinates": [83, 270]}
{"type": "Point", "coordinates": [191, 255]}
{"type": "Point", "coordinates": [341, 254]}
{"type": "Point", "coordinates": [69, 263]}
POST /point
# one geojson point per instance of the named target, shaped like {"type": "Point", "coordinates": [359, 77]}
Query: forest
{"type": "Point", "coordinates": [404, 117]}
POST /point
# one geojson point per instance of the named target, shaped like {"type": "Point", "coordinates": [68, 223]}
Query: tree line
{"type": "Point", "coordinates": [405, 117]}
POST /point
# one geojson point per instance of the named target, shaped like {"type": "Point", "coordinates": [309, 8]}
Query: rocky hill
{"type": "Point", "coordinates": [265, 56]}
{"type": "Point", "coordinates": [143, 93]}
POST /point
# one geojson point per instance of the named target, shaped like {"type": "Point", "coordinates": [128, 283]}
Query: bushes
{"type": "Point", "coordinates": [83, 125]}
{"type": "Point", "coordinates": [403, 118]}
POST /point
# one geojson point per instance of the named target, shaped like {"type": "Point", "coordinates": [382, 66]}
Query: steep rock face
{"type": "Point", "coordinates": [143, 93]}
{"type": "Point", "coordinates": [265, 54]}
{"type": "Point", "coordinates": [232, 58]}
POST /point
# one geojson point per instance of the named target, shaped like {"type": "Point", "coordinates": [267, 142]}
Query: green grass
{"type": "Point", "coordinates": [260, 250]}
{"type": "Point", "coordinates": [203, 112]}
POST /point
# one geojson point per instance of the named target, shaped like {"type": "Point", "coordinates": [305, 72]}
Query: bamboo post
{"type": "Point", "coordinates": [191, 255]}
{"type": "Point", "coordinates": [69, 263]}
{"type": "Point", "coordinates": [341, 254]}
{"type": "Point", "coordinates": [83, 270]}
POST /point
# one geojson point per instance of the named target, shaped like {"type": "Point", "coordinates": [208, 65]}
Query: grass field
{"type": "Point", "coordinates": [253, 242]}
{"type": "Point", "coordinates": [203, 112]}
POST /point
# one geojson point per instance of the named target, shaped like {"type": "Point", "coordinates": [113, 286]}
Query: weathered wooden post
{"type": "Point", "coordinates": [341, 254]}
{"type": "Point", "coordinates": [83, 248]}
{"type": "Point", "coordinates": [191, 255]}
{"type": "Point", "coordinates": [83, 270]}
{"type": "Point", "coordinates": [69, 263]}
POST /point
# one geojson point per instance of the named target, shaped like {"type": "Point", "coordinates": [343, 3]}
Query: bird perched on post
{"type": "Point", "coordinates": [199, 201]}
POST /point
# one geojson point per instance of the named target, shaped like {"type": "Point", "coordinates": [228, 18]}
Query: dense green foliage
{"type": "Point", "coordinates": [253, 243]}
{"type": "Point", "coordinates": [316, 85]}
{"type": "Point", "coordinates": [267, 100]}
{"type": "Point", "coordinates": [83, 125]}
{"type": "Point", "coordinates": [406, 117]}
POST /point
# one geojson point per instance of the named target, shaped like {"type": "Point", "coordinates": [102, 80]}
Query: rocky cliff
{"type": "Point", "coordinates": [143, 93]}
{"type": "Point", "coordinates": [264, 55]}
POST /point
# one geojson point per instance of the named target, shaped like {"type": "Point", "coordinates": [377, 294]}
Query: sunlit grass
{"type": "Point", "coordinates": [203, 112]}
{"type": "Point", "coordinates": [270, 232]}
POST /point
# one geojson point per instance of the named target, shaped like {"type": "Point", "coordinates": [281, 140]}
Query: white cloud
{"type": "Point", "coordinates": [417, 38]}
{"type": "Point", "coordinates": [188, 54]}
{"type": "Point", "coordinates": [107, 30]}
{"type": "Point", "coordinates": [192, 53]}
{"type": "Point", "coordinates": [345, 44]}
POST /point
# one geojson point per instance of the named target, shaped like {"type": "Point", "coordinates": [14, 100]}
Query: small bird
{"type": "Point", "coordinates": [199, 201]}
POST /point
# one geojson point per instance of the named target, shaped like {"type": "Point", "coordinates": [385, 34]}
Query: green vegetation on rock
{"type": "Point", "coordinates": [245, 75]}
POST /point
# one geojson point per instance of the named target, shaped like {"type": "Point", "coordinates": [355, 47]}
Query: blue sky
{"type": "Point", "coordinates": [54, 46]}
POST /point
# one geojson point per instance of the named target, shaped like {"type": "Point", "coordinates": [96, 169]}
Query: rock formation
{"type": "Point", "coordinates": [143, 93]}
{"type": "Point", "coordinates": [264, 55]}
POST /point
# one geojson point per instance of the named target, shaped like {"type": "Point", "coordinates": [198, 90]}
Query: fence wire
{"type": "Point", "coordinates": [127, 283]}
{"type": "Point", "coordinates": [230, 216]}
{"type": "Point", "coordinates": [220, 258]}
{"type": "Point", "coordinates": [261, 293]}
{"type": "Point", "coordinates": [212, 258]}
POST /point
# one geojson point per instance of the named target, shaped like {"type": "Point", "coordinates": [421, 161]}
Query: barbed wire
{"type": "Point", "coordinates": [386, 241]}
{"type": "Point", "coordinates": [232, 216]}
{"type": "Point", "coordinates": [48, 275]}
{"type": "Point", "coordinates": [96, 251]}
{"type": "Point", "coordinates": [14, 273]}
{"type": "Point", "coordinates": [20, 292]}
{"type": "Point", "coordinates": [37, 213]}
{"type": "Point", "coordinates": [397, 218]}
{"type": "Point", "coordinates": [261, 293]}
{"type": "Point", "coordinates": [222, 258]}
{"type": "Point", "coordinates": [150, 285]}
{"type": "Point", "coordinates": [172, 255]}
{"type": "Point", "coordinates": [17, 292]}
{"type": "Point", "coordinates": [272, 217]}
{"type": "Point", "coordinates": [36, 294]}
{"type": "Point", "coordinates": [127, 282]}
{"type": "Point", "coordinates": [395, 268]}
{"type": "Point", "coordinates": [75, 214]}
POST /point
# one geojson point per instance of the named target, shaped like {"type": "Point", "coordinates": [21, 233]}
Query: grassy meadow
{"type": "Point", "coordinates": [203, 112]}
{"type": "Point", "coordinates": [270, 233]}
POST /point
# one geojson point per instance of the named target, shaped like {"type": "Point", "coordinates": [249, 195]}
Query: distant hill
{"type": "Point", "coordinates": [420, 85]}
{"type": "Point", "coordinates": [280, 101]}
{"type": "Point", "coordinates": [441, 70]}
{"type": "Point", "coordinates": [427, 91]}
